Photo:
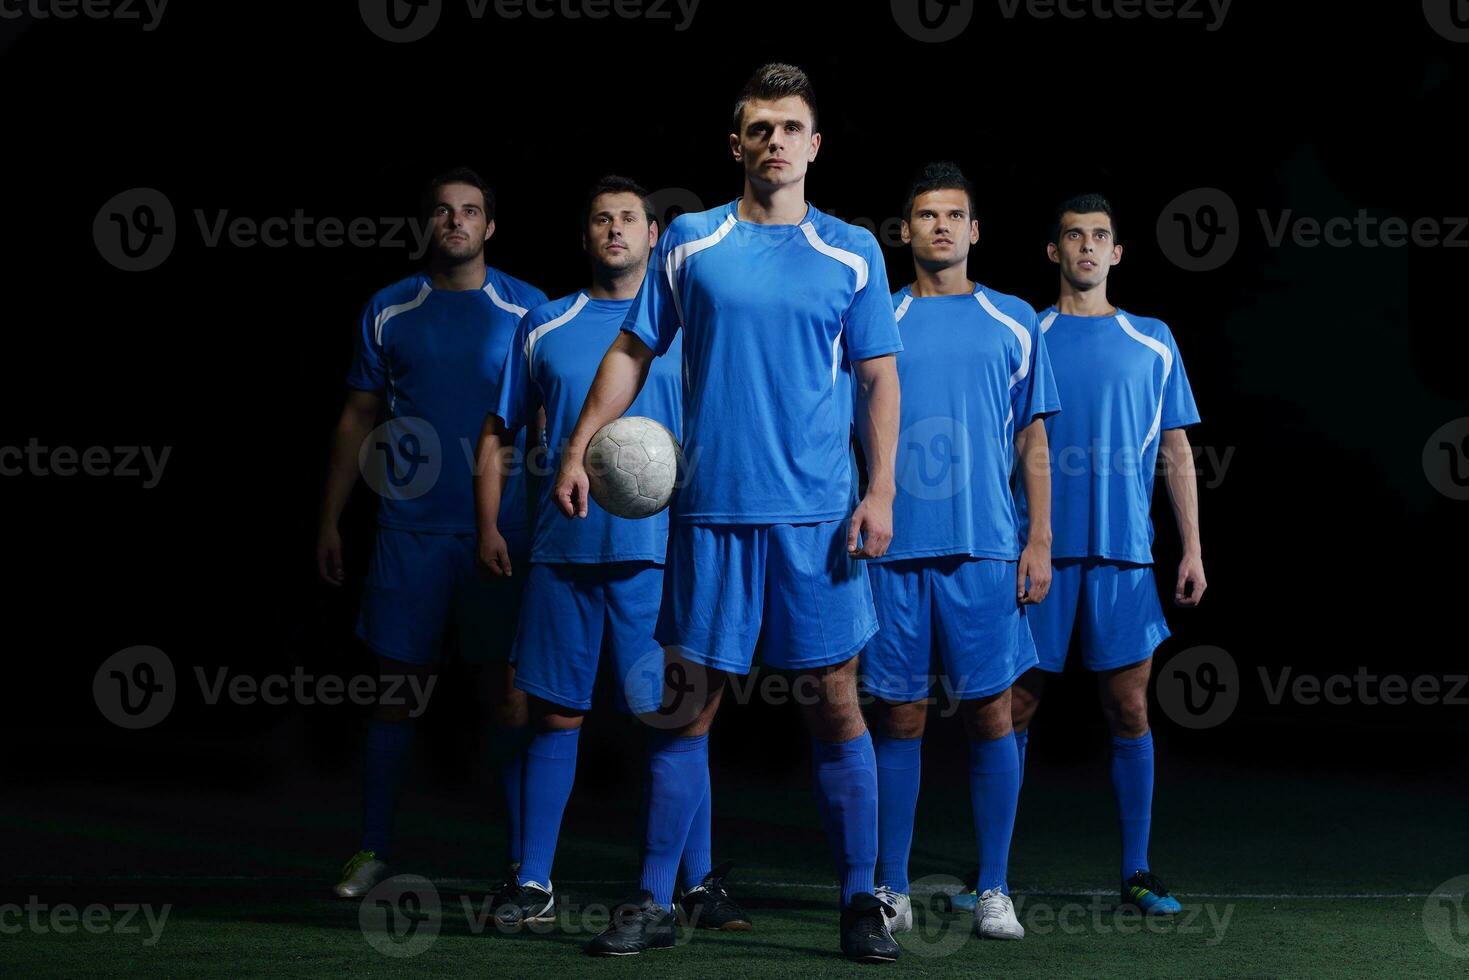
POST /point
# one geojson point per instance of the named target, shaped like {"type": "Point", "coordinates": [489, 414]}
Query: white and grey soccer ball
{"type": "Point", "coordinates": [632, 465]}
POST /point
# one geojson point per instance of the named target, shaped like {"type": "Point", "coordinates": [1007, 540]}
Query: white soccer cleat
{"type": "Point", "coordinates": [994, 917]}
{"type": "Point", "coordinates": [902, 906]}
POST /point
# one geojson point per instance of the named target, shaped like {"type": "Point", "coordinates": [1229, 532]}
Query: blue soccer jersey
{"type": "Point", "coordinates": [771, 316]}
{"type": "Point", "coordinates": [437, 355]}
{"type": "Point", "coordinates": [557, 349]}
{"type": "Point", "coordinates": [974, 371]}
{"type": "Point", "coordinates": [1122, 381]}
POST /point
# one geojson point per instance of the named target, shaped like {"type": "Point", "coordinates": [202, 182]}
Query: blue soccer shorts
{"type": "Point", "coordinates": [727, 582]}
{"type": "Point", "coordinates": [571, 613]}
{"type": "Point", "coordinates": [418, 583]}
{"type": "Point", "coordinates": [1114, 605]}
{"type": "Point", "coordinates": [954, 609]}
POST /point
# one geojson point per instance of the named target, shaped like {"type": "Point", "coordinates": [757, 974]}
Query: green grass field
{"type": "Point", "coordinates": [1280, 876]}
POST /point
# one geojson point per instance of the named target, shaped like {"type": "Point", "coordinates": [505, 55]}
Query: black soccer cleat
{"type": "Point", "coordinates": [709, 906]}
{"type": "Point", "coordinates": [638, 924]}
{"type": "Point", "coordinates": [865, 935]}
{"type": "Point", "coordinates": [1144, 892]}
{"type": "Point", "coordinates": [501, 892]}
{"type": "Point", "coordinates": [529, 902]}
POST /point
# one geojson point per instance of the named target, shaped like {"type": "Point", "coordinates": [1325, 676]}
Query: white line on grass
{"type": "Point", "coordinates": [778, 885]}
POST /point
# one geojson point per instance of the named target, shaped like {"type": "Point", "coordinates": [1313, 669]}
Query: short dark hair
{"type": "Point", "coordinates": [1083, 204]}
{"type": "Point", "coordinates": [940, 175]}
{"type": "Point", "coordinates": [613, 184]}
{"type": "Point", "coordinates": [775, 81]}
{"type": "Point", "coordinates": [459, 175]}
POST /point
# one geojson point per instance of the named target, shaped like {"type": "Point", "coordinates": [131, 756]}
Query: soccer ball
{"type": "Point", "coordinates": [632, 464]}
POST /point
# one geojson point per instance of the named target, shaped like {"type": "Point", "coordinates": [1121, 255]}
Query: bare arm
{"type": "Point", "coordinates": [359, 415]}
{"type": "Point", "coordinates": [619, 378]}
{"type": "Point", "coordinates": [1183, 492]}
{"type": "Point", "coordinates": [1032, 448]}
{"type": "Point", "coordinates": [879, 404]}
{"type": "Point", "coordinates": [490, 475]}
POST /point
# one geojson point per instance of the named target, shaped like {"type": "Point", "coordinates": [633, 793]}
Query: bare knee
{"type": "Point", "coordinates": [556, 717]}
{"type": "Point", "coordinates": [688, 700]}
{"type": "Point", "coordinates": [986, 719]}
{"type": "Point", "coordinates": [901, 719]}
{"type": "Point", "coordinates": [828, 699]}
{"type": "Point", "coordinates": [1125, 700]}
{"type": "Point", "coordinates": [1025, 697]}
{"type": "Point", "coordinates": [509, 706]}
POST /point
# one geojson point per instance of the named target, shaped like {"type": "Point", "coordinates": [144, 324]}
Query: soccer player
{"type": "Point", "coordinates": [430, 353]}
{"type": "Point", "coordinates": [1127, 401]}
{"type": "Point", "coordinates": [594, 583]}
{"type": "Point", "coordinates": [956, 582]}
{"type": "Point", "coordinates": [780, 306]}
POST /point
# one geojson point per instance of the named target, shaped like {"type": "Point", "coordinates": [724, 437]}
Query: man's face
{"type": "Point", "coordinates": [940, 228]}
{"type": "Point", "coordinates": [618, 234]}
{"type": "Point", "coordinates": [459, 223]}
{"type": "Point", "coordinates": [777, 141]}
{"type": "Point", "coordinates": [1086, 251]}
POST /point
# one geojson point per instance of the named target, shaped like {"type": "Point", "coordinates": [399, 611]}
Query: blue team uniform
{"type": "Point", "coordinates": [596, 581]}
{"type": "Point", "coordinates": [974, 370]}
{"type": "Point", "coordinates": [436, 357]}
{"type": "Point", "coordinates": [771, 318]}
{"type": "Point", "coordinates": [1123, 384]}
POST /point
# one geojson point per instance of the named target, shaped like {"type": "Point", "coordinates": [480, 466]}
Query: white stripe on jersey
{"type": "Point", "coordinates": [1161, 349]}
{"type": "Point", "coordinates": [1050, 319]}
{"type": "Point", "coordinates": [680, 254]}
{"type": "Point", "coordinates": [851, 259]}
{"type": "Point", "coordinates": [1020, 335]}
{"type": "Point", "coordinates": [549, 325]}
{"type": "Point", "coordinates": [902, 309]}
{"type": "Point", "coordinates": [519, 311]}
{"type": "Point", "coordinates": [392, 311]}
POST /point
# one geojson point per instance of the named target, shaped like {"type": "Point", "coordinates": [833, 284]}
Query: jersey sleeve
{"type": "Point", "coordinates": [1179, 409]}
{"type": "Point", "coordinates": [369, 370]}
{"type": "Point", "coordinates": [1035, 396]}
{"type": "Point", "coordinates": [654, 316]}
{"type": "Point", "coordinates": [870, 328]}
{"type": "Point", "coordinates": [519, 397]}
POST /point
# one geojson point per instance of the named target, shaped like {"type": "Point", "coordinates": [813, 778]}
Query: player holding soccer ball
{"type": "Point", "coordinates": [976, 386]}
{"type": "Point", "coordinates": [594, 583]}
{"type": "Point", "coordinates": [1127, 400]}
{"type": "Point", "coordinates": [779, 305]}
{"type": "Point", "coordinates": [430, 352]}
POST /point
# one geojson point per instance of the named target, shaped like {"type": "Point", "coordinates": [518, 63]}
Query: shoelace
{"type": "Point", "coordinates": [632, 918]}
{"type": "Point", "coordinates": [995, 907]}
{"type": "Point", "coordinates": [873, 924]}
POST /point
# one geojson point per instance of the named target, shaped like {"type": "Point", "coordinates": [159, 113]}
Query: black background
{"type": "Point", "coordinates": [1323, 371]}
